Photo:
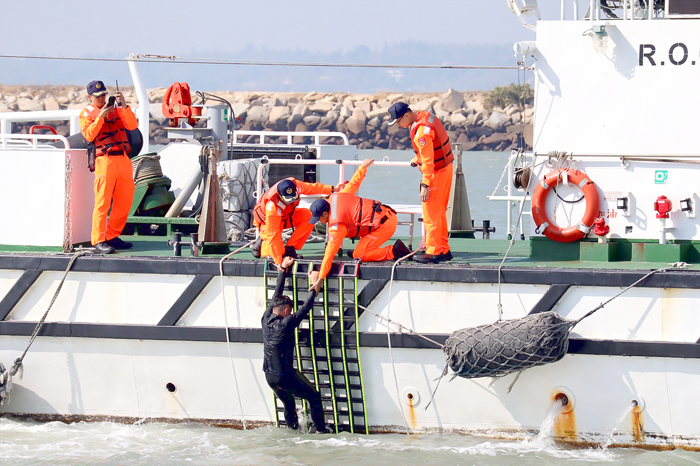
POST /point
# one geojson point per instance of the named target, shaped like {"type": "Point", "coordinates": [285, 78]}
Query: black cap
{"type": "Point", "coordinates": [398, 110]}
{"type": "Point", "coordinates": [317, 209]}
{"type": "Point", "coordinates": [287, 191]}
{"type": "Point", "coordinates": [96, 88]}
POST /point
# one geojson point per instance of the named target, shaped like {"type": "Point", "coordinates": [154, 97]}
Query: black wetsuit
{"type": "Point", "coordinates": [285, 381]}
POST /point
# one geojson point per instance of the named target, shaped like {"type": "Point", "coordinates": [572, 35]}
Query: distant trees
{"type": "Point", "coordinates": [503, 96]}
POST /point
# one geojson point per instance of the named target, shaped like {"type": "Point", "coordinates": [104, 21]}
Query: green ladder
{"type": "Point", "coordinates": [327, 350]}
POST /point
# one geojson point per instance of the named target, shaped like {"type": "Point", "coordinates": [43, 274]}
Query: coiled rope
{"type": "Point", "coordinates": [146, 167]}
{"type": "Point", "coordinates": [18, 367]}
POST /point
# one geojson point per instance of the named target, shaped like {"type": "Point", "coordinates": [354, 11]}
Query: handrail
{"type": "Point", "coordinates": [317, 135]}
{"type": "Point", "coordinates": [31, 141]}
{"type": "Point", "coordinates": [628, 10]}
{"type": "Point", "coordinates": [341, 167]}
{"type": "Point", "coordinates": [7, 118]}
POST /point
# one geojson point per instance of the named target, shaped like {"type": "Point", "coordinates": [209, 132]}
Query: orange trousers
{"type": "Point", "coordinates": [369, 247]}
{"type": "Point", "coordinates": [114, 187]}
{"type": "Point", "coordinates": [302, 229]}
{"type": "Point", "coordinates": [435, 212]}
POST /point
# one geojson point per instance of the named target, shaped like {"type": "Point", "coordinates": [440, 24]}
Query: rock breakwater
{"type": "Point", "coordinates": [362, 117]}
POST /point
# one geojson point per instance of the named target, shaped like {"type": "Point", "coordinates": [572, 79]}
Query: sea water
{"type": "Point", "coordinates": [399, 185]}
{"type": "Point", "coordinates": [146, 443]}
{"type": "Point", "coordinates": [106, 443]}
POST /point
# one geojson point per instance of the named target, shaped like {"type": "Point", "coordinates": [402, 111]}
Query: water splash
{"type": "Point", "coordinates": [544, 438]}
{"type": "Point", "coordinates": [616, 426]}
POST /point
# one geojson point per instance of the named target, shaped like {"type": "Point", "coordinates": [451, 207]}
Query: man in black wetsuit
{"type": "Point", "coordinates": [278, 324]}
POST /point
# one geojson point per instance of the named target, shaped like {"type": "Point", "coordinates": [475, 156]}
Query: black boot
{"type": "Point", "coordinates": [289, 251]}
{"type": "Point", "coordinates": [400, 250]}
{"type": "Point", "coordinates": [104, 248]}
{"type": "Point", "coordinates": [255, 248]}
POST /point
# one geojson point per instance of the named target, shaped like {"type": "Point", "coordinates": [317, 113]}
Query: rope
{"type": "Point", "coordinates": [228, 339]}
{"type": "Point", "coordinates": [388, 338]}
{"type": "Point", "coordinates": [675, 265]}
{"type": "Point", "coordinates": [499, 306]}
{"type": "Point", "coordinates": [146, 58]}
{"type": "Point", "coordinates": [7, 374]}
{"type": "Point", "coordinates": [151, 168]}
{"type": "Point", "coordinates": [401, 327]}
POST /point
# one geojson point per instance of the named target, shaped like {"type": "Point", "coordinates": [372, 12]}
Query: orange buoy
{"type": "Point", "coordinates": [549, 228]}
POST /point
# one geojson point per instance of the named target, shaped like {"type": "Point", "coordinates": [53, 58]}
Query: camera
{"type": "Point", "coordinates": [111, 100]}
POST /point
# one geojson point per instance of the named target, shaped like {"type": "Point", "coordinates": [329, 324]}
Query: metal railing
{"type": "Point", "coordinates": [7, 118]}
{"type": "Point", "coordinates": [512, 196]}
{"type": "Point", "coordinates": [317, 135]}
{"type": "Point", "coordinates": [630, 10]}
{"type": "Point", "coordinates": [31, 141]}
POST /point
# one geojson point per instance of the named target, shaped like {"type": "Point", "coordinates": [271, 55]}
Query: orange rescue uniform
{"type": "Point", "coordinates": [271, 216]}
{"type": "Point", "coordinates": [114, 182]}
{"type": "Point", "coordinates": [340, 225]}
{"type": "Point", "coordinates": [434, 159]}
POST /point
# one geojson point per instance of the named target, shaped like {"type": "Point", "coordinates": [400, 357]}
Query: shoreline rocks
{"type": "Point", "coordinates": [363, 118]}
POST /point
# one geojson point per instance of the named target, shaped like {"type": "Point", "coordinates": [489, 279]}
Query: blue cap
{"type": "Point", "coordinates": [317, 209]}
{"type": "Point", "coordinates": [96, 88]}
{"type": "Point", "coordinates": [398, 110]}
{"type": "Point", "coordinates": [287, 191]}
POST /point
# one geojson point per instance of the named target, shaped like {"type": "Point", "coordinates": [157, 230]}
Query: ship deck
{"type": "Point", "coordinates": [466, 251]}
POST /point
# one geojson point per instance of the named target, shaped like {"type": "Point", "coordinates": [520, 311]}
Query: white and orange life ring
{"type": "Point", "coordinates": [539, 215]}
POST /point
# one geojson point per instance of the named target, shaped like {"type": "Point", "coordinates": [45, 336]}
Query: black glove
{"type": "Point", "coordinates": [413, 164]}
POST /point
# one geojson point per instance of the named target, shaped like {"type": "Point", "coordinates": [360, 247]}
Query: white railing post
{"type": "Point", "coordinates": [74, 125]}
{"type": "Point", "coordinates": [5, 126]}
{"type": "Point", "coordinates": [144, 103]}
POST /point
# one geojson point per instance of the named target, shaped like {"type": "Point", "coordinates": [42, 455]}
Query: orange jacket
{"type": "Point", "coordinates": [431, 144]}
{"type": "Point", "coordinates": [271, 204]}
{"type": "Point", "coordinates": [359, 215]}
{"type": "Point", "coordinates": [271, 215]}
{"type": "Point", "coordinates": [108, 134]}
{"type": "Point", "coordinates": [337, 230]}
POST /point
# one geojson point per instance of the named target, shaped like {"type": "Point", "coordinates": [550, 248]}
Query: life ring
{"type": "Point", "coordinates": [539, 215]}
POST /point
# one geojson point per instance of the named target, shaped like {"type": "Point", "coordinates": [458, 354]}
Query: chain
{"type": "Point", "coordinates": [68, 207]}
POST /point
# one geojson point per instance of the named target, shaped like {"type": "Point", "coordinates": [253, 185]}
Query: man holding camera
{"type": "Point", "coordinates": [104, 124]}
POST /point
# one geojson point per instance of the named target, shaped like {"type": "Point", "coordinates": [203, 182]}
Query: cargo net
{"type": "Point", "coordinates": [497, 349]}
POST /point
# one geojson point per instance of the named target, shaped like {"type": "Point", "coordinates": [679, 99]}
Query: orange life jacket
{"type": "Point", "coordinates": [441, 148]}
{"type": "Point", "coordinates": [112, 139]}
{"type": "Point", "coordinates": [273, 195]}
{"type": "Point", "coordinates": [359, 215]}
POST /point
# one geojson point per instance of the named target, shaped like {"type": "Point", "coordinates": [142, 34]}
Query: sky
{"type": "Point", "coordinates": [227, 28]}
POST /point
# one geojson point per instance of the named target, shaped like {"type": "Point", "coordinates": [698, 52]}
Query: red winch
{"type": "Point", "coordinates": [177, 103]}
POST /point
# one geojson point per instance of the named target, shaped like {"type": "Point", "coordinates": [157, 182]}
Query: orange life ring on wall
{"type": "Point", "coordinates": [539, 215]}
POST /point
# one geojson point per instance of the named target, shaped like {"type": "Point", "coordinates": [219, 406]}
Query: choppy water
{"type": "Point", "coordinates": [31, 443]}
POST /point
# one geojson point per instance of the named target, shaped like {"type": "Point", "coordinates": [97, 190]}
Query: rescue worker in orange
{"type": "Point", "coordinates": [106, 126]}
{"type": "Point", "coordinates": [350, 216]}
{"type": "Point", "coordinates": [434, 159]}
{"type": "Point", "coordinates": [278, 209]}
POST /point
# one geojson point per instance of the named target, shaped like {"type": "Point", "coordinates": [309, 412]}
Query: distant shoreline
{"type": "Point", "coordinates": [362, 117]}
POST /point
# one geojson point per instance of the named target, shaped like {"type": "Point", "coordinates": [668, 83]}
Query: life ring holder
{"type": "Point", "coordinates": [539, 197]}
